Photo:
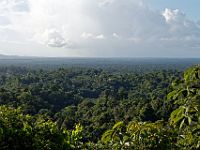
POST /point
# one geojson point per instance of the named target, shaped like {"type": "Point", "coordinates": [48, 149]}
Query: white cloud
{"type": "Point", "coordinates": [125, 27]}
{"type": "Point", "coordinates": [116, 35]}
{"type": "Point", "coordinates": [86, 35]}
{"type": "Point", "coordinates": [53, 38]}
{"type": "Point", "coordinates": [100, 36]}
{"type": "Point", "coordinates": [173, 15]}
{"type": "Point", "coordinates": [105, 3]}
{"type": "Point", "coordinates": [4, 21]}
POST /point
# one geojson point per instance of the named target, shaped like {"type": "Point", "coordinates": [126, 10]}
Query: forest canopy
{"type": "Point", "coordinates": [88, 108]}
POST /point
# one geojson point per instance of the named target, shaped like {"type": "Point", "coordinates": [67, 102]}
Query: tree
{"type": "Point", "coordinates": [186, 96]}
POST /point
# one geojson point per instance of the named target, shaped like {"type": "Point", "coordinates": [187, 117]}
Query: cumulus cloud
{"type": "Point", "coordinates": [100, 36]}
{"type": "Point", "coordinates": [53, 38]}
{"type": "Point", "coordinates": [113, 27]}
{"type": "Point", "coordinates": [173, 15]}
{"type": "Point", "coordinates": [180, 29]}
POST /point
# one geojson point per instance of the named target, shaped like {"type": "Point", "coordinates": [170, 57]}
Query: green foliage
{"type": "Point", "coordinates": [140, 135]}
{"type": "Point", "coordinates": [67, 109]}
{"type": "Point", "coordinates": [186, 117]}
{"type": "Point", "coordinates": [19, 131]}
{"type": "Point", "coordinates": [115, 134]}
{"type": "Point", "coordinates": [16, 129]}
{"type": "Point", "coordinates": [182, 131]}
{"type": "Point", "coordinates": [73, 138]}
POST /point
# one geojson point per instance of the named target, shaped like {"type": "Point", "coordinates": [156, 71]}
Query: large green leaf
{"type": "Point", "coordinates": [177, 115]}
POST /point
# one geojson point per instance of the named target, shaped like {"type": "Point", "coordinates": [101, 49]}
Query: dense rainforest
{"type": "Point", "coordinates": [96, 108]}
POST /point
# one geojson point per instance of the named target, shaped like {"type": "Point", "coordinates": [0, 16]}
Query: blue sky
{"type": "Point", "coordinates": [100, 28]}
{"type": "Point", "coordinates": [190, 7]}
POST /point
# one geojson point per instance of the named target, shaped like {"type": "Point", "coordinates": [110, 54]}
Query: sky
{"type": "Point", "coordinates": [100, 28]}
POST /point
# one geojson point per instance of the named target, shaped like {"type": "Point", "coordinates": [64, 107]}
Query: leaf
{"type": "Point", "coordinates": [133, 126]}
{"type": "Point", "coordinates": [189, 120]}
{"type": "Point", "coordinates": [188, 73]}
{"type": "Point", "coordinates": [118, 125]}
{"type": "Point", "coordinates": [199, 74]}
{"type": "Point", "coordinates": [171, 94]}
{"type": "Point", "coordinates": [177, 115]}
{"type": "Point", "coordinates": [181, 125]}
{"type": "Point", "coordinates": [106, 137]}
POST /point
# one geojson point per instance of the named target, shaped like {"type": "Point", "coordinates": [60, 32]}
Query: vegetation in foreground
{"type": "Point", "coordinates": [94, 109]}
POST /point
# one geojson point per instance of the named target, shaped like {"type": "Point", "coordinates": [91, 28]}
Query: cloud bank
{"type": "Point", "coordinates": [100, 27]}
